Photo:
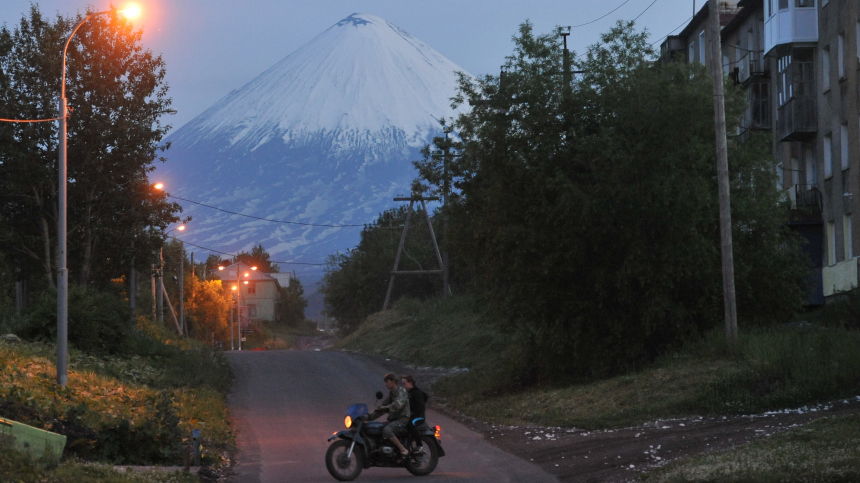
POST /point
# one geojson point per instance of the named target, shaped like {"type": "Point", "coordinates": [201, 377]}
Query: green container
{"type": "Point", "coordinates": [38, 443]}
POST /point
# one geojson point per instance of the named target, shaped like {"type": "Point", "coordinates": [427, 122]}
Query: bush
{"type": "Point", "coordinates": [98, 321]}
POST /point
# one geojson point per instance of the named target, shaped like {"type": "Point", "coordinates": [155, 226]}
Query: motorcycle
{"type": "Point", "coordinates": [362, 446]}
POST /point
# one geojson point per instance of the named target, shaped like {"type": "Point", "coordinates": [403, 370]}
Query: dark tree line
{"type": "Point", "coordinates": [116, 93]}
{"type": "Point", "coordinates": [584, 212]}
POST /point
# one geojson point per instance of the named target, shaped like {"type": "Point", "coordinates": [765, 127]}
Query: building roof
{"type": "Point", "coordinates": [747, 9]}
{"type": "Point", "coordinates": [728, 9]}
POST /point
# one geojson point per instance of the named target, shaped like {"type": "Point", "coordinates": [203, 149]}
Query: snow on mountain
{"type": "Point", "coordinates": [325, 136]}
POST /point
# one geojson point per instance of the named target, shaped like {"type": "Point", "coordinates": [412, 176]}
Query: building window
{"type": "Point", "coordinates": [825, 69]}
{"type": "Point", "coordinates": [840, 52]}
{"type": "Point", "coordinates": [857, 40]}
{"type": "Point", "coordinates": [691, 53]}
{"type": "Point", "coordinates": [828, 156]}
{"type": "Point", "coordinates": [702, 48]}
{"type": "Point", "coordinates": [805, 3]}
{"type": "Point", "coordinates": [846, 237]}
{"type": "Point", "coordinates": [252, 310]}
{"type": "Point", "coordinates": [831, 243]}
{"type": "Point", "coordinates": [843, 146]}
{"type": "Point", "coordinates": [811, 166]}
{"type": "Point", "coordinates": [783, 4]}
{"type": "Point", "coordinates": [252, 288]}
{"type": "Point", "coordinates": [780, 177]}
{"type": "Point", "coordinates": [758, 96]}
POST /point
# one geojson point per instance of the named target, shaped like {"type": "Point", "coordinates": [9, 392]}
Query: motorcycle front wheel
{"type": "Point", "coordinates": [340, 466]}
{"type": "Point", "coordinates": [422, 462]}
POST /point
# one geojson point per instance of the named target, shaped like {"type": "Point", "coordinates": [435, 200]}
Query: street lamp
{"type": "Point", "coordinates": [62, 262]}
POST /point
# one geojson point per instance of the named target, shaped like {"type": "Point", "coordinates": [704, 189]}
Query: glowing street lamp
{"type": "Point", "coordinates": [62, 262]}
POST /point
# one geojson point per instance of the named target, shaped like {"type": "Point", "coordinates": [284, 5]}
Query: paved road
{"type": "Point", "coordinates": [285, 404]}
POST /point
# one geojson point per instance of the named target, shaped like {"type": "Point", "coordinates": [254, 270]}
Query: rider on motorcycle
{"type": "Point", "coordinates": [417, 403]}
{"type": "Point", "coordinates": [396, 404]}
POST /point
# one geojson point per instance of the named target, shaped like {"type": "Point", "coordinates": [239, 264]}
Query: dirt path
{"type": "Point", "coordinates": [573, 455]}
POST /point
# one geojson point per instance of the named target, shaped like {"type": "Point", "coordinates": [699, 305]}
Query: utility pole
{"type": "Point", "coordinates": [446, 265]}
{"type": "Point", "coordinates": [132, 285]}
{"type": "Point", "coordinates": [159, 288]}
{"type": "Point", "coordinates": [730, 304]}
{"type": "Point", "coordinates": [182, 288]}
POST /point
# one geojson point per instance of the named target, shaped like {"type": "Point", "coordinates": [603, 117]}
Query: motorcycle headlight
{"type": "Point", "coordinates": [348, 422]}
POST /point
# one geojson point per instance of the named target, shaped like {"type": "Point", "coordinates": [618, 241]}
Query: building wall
{"type": "Point", "coordinates": [838, 107]}
{"type": "Point", "coordinates": [265, 299]}
{"type": "Point", "coordinates": [825, 159]}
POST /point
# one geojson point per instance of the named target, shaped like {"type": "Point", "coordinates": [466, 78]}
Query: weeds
{"type": "Point", "coordinates": [825, 450]}
{"type": "Point", "coordinates": [134, 409]}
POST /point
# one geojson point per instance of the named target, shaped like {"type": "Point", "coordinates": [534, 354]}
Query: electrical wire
{"type": "Point", "coordinates": [261, 218]}
{"type": "Point", "coordinates": [31, 120]}
{"type": "Point", "coordinates": [234, 255]}
{"type": "Point", "coordinates": [600, 18]}
{"type": "Point", "coordinates": [646, 9]}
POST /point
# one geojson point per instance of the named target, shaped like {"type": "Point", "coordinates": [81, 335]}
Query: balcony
{"type": "Point", "coordinates": [798, 119]}
{"type": "Point", "coordinates": [807, 203]}
{"type": "Point", "coordinates": [795, 21]}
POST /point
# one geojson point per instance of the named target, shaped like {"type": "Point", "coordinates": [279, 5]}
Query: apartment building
{"type": "Point", "coordinates": [798, 61]}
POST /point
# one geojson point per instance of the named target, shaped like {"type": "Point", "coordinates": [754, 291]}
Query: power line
{"type": "Point", "coordinates": [30, 120]}
{"type": "Point", "coordinates": [260, 218]}
{"type": "Point", "coordinates": [237, 256]}
{"type": "Point", "coordinates": [673, 30]}
{"type": "Point", "coordinates": [600, 18]}
{"type": "Point", "coordinates": [646, 9]}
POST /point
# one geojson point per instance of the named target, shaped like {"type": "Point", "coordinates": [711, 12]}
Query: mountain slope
{"type": "Point", "coordinates": [325, 136]}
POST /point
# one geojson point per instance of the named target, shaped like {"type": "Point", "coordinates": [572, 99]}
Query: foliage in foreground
{"type": "Point", "coordinates": [825, 450]}
{"type": "Point", "coordinates": [19, 468]}
{"type": "Point", "coordinates": [133, 409]}
{"type": "Point", "coordinates": [588, 212]}
{"type": "Point", "coordinates": [771, 369]}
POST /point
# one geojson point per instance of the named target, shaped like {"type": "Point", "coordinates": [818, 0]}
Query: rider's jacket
{"type": "Point", "coordinates": [417, 402]}
{"type": "Point", "coordinates": [398, 404]}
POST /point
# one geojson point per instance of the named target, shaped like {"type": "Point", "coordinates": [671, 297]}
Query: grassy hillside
{"type": "Point", "coordinates": [771, 368]}
{"type": "Point", "coordinates": [444, 332]}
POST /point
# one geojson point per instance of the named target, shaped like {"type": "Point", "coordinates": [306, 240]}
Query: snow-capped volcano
{"type": "Point", "coordinates": [359, 81]}
{"type": "Point", "coordinates": [325, 136]}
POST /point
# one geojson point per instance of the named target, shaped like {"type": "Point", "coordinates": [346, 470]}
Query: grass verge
{"type": "Point", "coordinates": [772, 368]}
{"type": "Point", "coordinates": [130, 409]}
{"type": "Point", "coordinates": [825, 450]}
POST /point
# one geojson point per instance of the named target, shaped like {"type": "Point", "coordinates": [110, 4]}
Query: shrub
{"type": "Point", "coordinates": [98, 321]}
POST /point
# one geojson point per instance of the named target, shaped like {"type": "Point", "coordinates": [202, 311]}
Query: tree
{"type": "Point", "coordinates": [590, 210]}
{"type": "Point", "coordinates": [116, 92]}
{"type": "Point", "coordinates": [259, 258]}
{"type": "Point", "coordinates": [291, 310]}
{"type": "Point", "coordinates": [355, 282]}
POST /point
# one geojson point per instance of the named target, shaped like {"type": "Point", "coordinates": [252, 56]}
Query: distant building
{"type": "Point", "coordinates": [259, 293]}
{"type": "Point", "coordinates": [799, 61]}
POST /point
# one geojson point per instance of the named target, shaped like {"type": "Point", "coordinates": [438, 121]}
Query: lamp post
{"type": "Point", "coordinates": [62, 262]}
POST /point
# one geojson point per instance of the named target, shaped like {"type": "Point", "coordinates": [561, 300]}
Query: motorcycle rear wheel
{"type": "Point", "coordinates": [422, 464]}
{"type": "Point", "coordinates": [341, 467]}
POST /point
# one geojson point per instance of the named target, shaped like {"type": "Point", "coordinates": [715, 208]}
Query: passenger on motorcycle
{"type": "Point", "coordinates": [417, 402]}
{"type": "Point", "coordinates": [396, 404]}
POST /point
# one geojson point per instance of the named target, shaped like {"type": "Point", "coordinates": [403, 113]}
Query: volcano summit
{"type": "Point", "coordinates": [325, 136]}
